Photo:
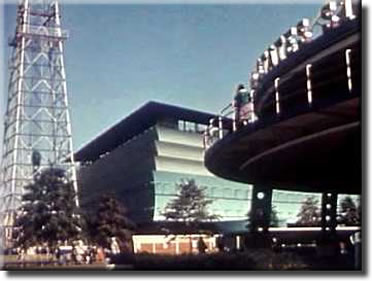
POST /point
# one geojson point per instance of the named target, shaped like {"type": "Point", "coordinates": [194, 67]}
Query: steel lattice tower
{"type": "Point", "coordinates": [37, 124]}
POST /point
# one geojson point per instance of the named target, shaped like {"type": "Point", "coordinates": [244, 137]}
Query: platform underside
{"type": "Point", "coordinates": [317, 151]}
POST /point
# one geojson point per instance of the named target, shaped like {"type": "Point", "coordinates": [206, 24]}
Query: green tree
{"type": "Point", "coordinates": [349, 212]}
{"type": "Point", "coordinates": [274, 219]}
{"type": "Point", "coordinates": [310, 214]}
{"type": "Point", "coordinates": [111, 221]}
{"type": "Point", "coordinates": [48, 213]}
{"type": "Point", "coordinates": [190, 206]}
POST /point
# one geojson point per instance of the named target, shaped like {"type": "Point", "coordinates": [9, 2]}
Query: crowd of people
{"type": "Point", "coordinates": [79, 254]}
{"type": "Point", "coordinates": [75, 254]}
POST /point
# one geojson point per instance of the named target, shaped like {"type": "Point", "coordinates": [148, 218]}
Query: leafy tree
{"type": "Point", "coordinates": [274, 219]}
{"type": "Point", "coordinates": [310, 214]}
{"type": "Point", "coordinates": [48, 213]}
{"type": "Point", "coordinates": [190, 206]}
{"type": "Point", "coordinates": [111, 221]}
{"type": "Point", "coordinates": [349, 212]}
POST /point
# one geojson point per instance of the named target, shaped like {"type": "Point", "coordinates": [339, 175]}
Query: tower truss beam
{"type": "Point", "coordinates": [37, 116]}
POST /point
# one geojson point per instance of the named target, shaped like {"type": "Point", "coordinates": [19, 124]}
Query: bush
{"type": "Point", "coordinates": [258, 260]}
{"type": "Point", "coordinates": [123, 258]}
{"type": "Point", "coordinates": [217, 261]}
{"type": "Point", "coordinates": [268, 260]}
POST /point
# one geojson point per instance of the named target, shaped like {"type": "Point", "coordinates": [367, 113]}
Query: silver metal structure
{"type": "Point", "coordinates": [37, 127]}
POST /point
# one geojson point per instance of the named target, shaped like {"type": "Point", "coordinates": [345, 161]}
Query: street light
{"type": "Point", "coordinates": [274, 56]}
{"type": "Point", "coordinates": [304, 30]}
{"type": "Point", "coordinates": [281, 45]}
{"type": "Point", "coordinates": [260, 67]}
{"type": "Point", "coordinates": [329, 14]}
{"type": "Point", "coordinates": [254, 81]}
{"type": "Point", "coordinates": [291, 36]}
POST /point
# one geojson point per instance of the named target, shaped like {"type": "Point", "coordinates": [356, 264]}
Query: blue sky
{"type": "Point", "coordinates": [118, 57]}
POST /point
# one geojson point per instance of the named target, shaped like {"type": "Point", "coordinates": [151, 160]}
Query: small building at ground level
{"type": "Point", "coordinates": [173, 244]}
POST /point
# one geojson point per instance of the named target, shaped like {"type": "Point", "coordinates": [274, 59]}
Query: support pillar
{"type": "Point", "coordinates": [328, 241]}
{"type": "Point", "coordinates": [329, 213]}
{"type": "Point", "coordinates": [260, 215]}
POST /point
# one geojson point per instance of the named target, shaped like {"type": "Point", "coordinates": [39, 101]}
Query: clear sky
{"type": "Point", "coordinates": [118, 57]}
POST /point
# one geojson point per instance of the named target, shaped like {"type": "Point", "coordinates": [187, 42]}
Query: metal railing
{"type": "Point", "coordinates": [43, 31]}
{"type": "Point", "coordinates": [332, 15]}
{"type": "Point", "coordinates": [232, 117]}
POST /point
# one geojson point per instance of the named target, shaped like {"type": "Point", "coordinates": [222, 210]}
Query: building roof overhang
{"type": "Point", "coordinates": [134, 124]}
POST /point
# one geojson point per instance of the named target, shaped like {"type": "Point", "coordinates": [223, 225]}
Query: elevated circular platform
{"type": "Point", "coordinates": [307, 146]}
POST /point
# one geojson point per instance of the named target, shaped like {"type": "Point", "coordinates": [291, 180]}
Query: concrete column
{"type": "Point", "coordinates": [260, 218]}
{"type": "Point", "coordinates": [329, 213]}
{"type": "Point", "coordinates": [328, 243]}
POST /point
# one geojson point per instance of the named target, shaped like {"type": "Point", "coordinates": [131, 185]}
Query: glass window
{"type": "Point", "coordinates": [181, 125]}
{"type": "Point", "coordinates": [170, 189]}
{"type": "Point", "coordinates": [160, 188]}
{"type": "Point", "coordinates": [169, 123]}
{"type": "Point", "coordinates": [225, 195]}
{"type": "Point", "coordinates": [236, 193]}
{"type": "Point", "coordinates": [348, 210]}
{"type": "Point", "coordinates": [227, 192]}
{"type": "Point", "coordinates": [189, 126]}
{"type": "Point", "coordinates": [246, 194]}
{"type": "Point", "coordinates": [212, 191]}
{"type": "Point", "coordinates": [217, 192]}
{"type": "Point", "coordinates": [201, 128]}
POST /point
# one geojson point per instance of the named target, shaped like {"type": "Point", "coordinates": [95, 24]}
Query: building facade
{"type": "Point", "coordinates": [142, 159]}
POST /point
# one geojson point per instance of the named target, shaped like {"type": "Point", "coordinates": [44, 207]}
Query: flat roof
{"type": "Point", "coordinates": [135, 123]}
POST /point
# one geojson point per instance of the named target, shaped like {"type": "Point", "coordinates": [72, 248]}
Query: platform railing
{"type": "Point", "coordinates": [233, 116]}
{"type": "Point", "coordinates": [230, 119]}
{"type": "Point", "coordinates": [213, 132]}
{"type": "Point", "coordinates": [332, 15]}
